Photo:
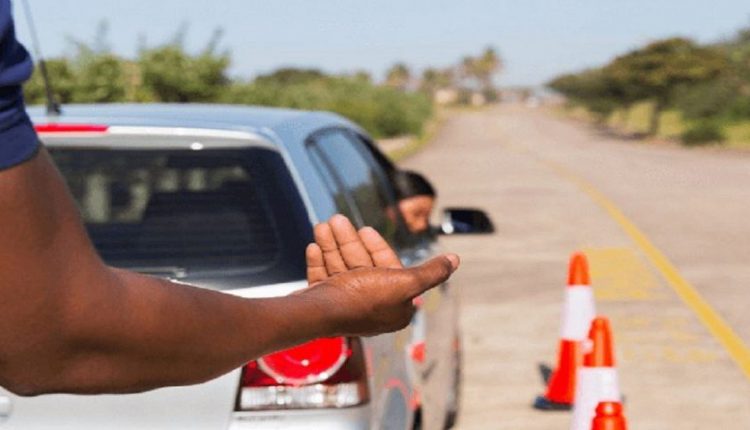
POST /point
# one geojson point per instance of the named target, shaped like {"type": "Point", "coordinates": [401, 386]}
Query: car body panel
{"type": "Point", "coordinates": [393, 377]}
{"type": "Point", "coordinates": [203, 406]}
{"type": "Point", "coordinates": [357, 418]}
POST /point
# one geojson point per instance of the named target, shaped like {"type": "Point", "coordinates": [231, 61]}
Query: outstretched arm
{"type": "Point", "coordinates": [73, 324]}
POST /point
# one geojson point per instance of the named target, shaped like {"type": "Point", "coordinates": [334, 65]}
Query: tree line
{"type": "Point", "coordinates": [709, 85]}
{"type": "Point", "coordinates": [169, 73]}
{"type": "Point", "coordinates": [472, 74]}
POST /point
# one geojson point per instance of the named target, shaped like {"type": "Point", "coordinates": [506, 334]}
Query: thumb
{"type": "Point", "coordinates": [433, 273]}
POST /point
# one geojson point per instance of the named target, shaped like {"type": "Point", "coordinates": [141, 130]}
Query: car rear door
{"type": "Point", "coordinates": [433, 347]}
{"type": "Point", "coordinates": [360, 191]}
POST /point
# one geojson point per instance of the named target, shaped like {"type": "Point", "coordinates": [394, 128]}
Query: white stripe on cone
{"type": "Point", "coordinates": [593, 385]}
{"type": "Point", "coordinates": [578, 312]}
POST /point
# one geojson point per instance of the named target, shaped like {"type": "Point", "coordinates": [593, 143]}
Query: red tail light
{"type": "Point", "coordinates": [324, 373]}
{"type": "Point", "coordinates": [70, 128]}
{"type": "Point", "coordinates": [308, 363]}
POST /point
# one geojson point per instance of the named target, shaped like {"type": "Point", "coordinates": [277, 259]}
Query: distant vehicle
{"type": "Point", "coordinates": [225, 198]}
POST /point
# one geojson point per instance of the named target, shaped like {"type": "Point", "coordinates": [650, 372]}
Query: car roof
{"type": "Point", "coordinates": [210, 116]}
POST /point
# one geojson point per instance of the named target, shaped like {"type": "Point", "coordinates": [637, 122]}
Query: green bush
{"type": "Point", "coordinates": [63, 79]}
{"type": "Point", "coordinates": [740, 109]}
{"type": "Point", "coordinates": [382, 111]}
{"type": "Point", "coordinates": [703, 133]}
{"type": "Point", "coordinates": [168, 73]}
{"type": "Point", "coordinates": [172, 75]}
{"type": "Point", "coordinates": [707, 100]}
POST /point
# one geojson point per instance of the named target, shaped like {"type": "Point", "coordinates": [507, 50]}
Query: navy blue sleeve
{"type": "Point", "coordinates": [18, 141]}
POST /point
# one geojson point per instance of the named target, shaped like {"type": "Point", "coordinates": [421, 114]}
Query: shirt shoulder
{"type": "Point", "coordinates": [18, 141]}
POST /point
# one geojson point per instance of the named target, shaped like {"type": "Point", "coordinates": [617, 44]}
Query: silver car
{"type": "Point", "coordinates": [225, 198]}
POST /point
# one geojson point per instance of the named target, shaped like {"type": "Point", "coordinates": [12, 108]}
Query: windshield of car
{"type": "Point", "coordinates": [232, 215]}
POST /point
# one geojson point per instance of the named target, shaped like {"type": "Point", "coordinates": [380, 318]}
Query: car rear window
{"type": "Point", "coordinates": [230, 217]}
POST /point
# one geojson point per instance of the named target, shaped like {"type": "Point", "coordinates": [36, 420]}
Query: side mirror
{"type": "Point", "coordinates": [465, 221]}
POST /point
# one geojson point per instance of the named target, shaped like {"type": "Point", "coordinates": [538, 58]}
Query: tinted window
{"type": "Point", "coordinates": [344, 203]}
{"type": "Point", "coordinates": [404, 238]}
{"type": "Point", "coordinates": [385, 163]}
{"type": "Point", "coordinates": [232, 214]}
{"type": "Point", "coordinates": [358, 176]}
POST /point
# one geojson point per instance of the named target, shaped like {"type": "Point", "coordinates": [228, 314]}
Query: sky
{"type": "Point", "coordinates": [537, 39]}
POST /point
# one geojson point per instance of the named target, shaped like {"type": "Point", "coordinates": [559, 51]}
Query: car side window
{"type": "Point", "coordinates": [385, 163]}
{"type": "Point", "coordinates": [344, 204]}
{"type": "Point", "coordinates": [404, 237]}
{"type": "Point", "coordinates": [344, 160]}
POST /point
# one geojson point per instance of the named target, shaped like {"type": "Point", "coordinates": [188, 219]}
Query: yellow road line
{"type": "Point", "coordinates": [621, 274]}
{"type": "Point", "coordinates": [716, 325]}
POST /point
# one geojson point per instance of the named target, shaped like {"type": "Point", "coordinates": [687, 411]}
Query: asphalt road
{"type": "Point", "coordinates": [667, 231]}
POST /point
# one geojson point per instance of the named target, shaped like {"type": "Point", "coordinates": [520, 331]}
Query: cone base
{"type": "Point", "coordinates": [544, 404]}
{"type": "Point", "coordinates": [545, 371]}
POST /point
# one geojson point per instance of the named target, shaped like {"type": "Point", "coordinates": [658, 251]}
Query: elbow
{"type": "Point", "coordinates": [29, 380]}
{"type": "Point", "coordinates": [24, 388]}
{"type": "Point", "coordinates": [45, 342]}
{"type": "Point", "coordinates": [35, 377]}
{"type": "Point", "coordinates": [39, 365]}
{"type": "Point", "coordinates": [25, 380]}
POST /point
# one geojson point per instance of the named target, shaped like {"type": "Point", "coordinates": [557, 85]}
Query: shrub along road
{"type": "Point", "coordinates": [668, 237]}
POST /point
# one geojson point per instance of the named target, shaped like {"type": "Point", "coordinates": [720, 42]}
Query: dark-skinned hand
{"type": "Point", "coordinates": [361, 282]}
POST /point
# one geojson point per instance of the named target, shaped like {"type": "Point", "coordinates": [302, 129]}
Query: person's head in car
{"type": "Point", "coordinates": [416, 199]}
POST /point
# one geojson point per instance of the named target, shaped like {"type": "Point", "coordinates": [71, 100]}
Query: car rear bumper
{"type": "Point", "coordinates": [330, 419]}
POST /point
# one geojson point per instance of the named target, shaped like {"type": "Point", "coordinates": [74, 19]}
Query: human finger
{"type": "Point", "coordinates": [316, 266]}
{"type": "Point", "coordinates": [433, 273]}
{"type": "Point", "coordinates": [334, 262]}
{"type": "Point", "coordinates": [380, 251]}
{"type": "Point", "coordinates": [350, 245]}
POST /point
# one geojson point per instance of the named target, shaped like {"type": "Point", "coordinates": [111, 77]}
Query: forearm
{"type": "Point", "coordinates": [154, 333]}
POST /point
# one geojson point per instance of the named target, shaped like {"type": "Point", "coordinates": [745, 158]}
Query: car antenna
{"type": "Point", "coordinates": [53, 107]}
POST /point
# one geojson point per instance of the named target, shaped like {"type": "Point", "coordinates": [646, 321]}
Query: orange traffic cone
{"type": "Point", "coordinates": [578, 312]}
{"type": "Point", "coordinates": [609, 416]}
{"type": "Point", "coordinates": [597, 379]}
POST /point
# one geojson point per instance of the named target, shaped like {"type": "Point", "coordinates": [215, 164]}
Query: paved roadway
{"type": "Point", "coordinates": [656, 220]}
